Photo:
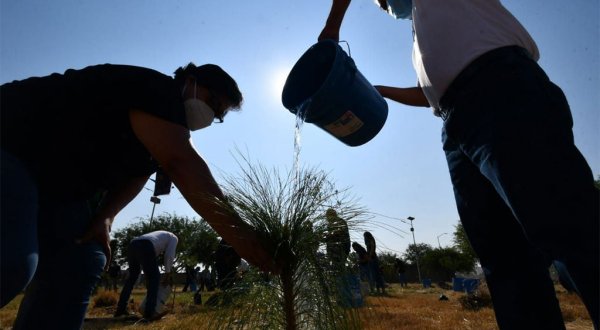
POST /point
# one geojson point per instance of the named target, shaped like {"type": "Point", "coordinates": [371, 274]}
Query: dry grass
{"type": "Point", "coordinates": [410, 308]}
{"type": "Point", "coordinates": [105, 299]}
{"type": "Point", "coordinates": [421, 309]}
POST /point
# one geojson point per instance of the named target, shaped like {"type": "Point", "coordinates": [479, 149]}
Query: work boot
{"type": "Point", "coordinates": [155, 316]}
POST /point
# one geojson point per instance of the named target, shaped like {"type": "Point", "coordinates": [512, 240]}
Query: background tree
{"type": "Point", "coordinates": [197, 240]}
{"type": "Point", "coordinates": [387, 261]}
{"type": "Point", "coordinates": [441, 264]}
{"type": "Point", "coordinates": [412, 251]}
{"type": "Point", "coordinates": [597, 182]}
{"type": "Point", "coordinates": [462, 244]}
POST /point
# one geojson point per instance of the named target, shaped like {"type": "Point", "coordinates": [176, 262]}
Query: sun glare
{"type": "Point", "coordinates": [278, 81]}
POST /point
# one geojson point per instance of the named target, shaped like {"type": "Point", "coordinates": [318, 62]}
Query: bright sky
{"type": "Point", "coordinates": [402, 172]}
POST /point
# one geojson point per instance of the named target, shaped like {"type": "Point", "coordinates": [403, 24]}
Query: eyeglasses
{"type": "Point", "coordinates": [217, 106]}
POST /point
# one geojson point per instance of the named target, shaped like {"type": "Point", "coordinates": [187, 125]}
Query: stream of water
{"type": "Point", "coordinates": [300, 116]}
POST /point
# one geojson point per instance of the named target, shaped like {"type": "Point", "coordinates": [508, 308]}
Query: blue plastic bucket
{"type": "Point", "coordinates": [349, 288]}
{"type": "Point", "coordinates": [470, 284]}
{"type": "Point", "coordinates": [427, 283]}
{"type": "Point", "coordinates": [457, 284]}
{"type": "Point", "coordinates": [325, 88]}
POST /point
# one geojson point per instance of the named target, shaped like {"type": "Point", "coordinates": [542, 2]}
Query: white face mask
{"type": "Point", "coordinates": [198, 114]}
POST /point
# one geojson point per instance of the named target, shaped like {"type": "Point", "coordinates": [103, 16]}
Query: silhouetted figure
{"type": "Point", "coordinates": [400, 267]}
{"type": "Point", "coordinates": [226, 262]}
{"type": "Point", "coordinates": [142, 254]}
{"type": "Point", "coordinates": [524, 192]}
{"type": "Point", "coordinates": [190, 279]}
{"type": "Point", "coordinates": [204, 279]}
{"type": "Point", "coordinates": [374, 262]}
{"type": "Point", "coordinates": [337, 240]}
{"type": "Point", "coordinates": [363, 264]}
{"type": "Point", "coordinates": [102, 130]}
{"type": "Point", "coordinates": [113, 276]}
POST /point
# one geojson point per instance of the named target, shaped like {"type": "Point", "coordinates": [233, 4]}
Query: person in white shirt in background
{"type": "Point", "coordinates": [142, 254]}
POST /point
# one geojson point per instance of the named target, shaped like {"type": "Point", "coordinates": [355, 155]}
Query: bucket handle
{"type": "Point", "coordinates": [347, 45]}
{"type": "Point", "coordinates": [350, 62]}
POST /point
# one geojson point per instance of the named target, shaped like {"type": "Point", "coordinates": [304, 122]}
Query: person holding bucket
{"type": "Point", "coordinates": [507, 135]}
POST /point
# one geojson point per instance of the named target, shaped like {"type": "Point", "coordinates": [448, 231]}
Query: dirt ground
{"type": "Point", "coordinates": [412, 308]}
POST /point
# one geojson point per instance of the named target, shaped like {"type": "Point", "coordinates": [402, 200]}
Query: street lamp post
{"type": "Point", "coordinates": [155, 200]}
{"type": "Point", "coordinates": [438, 238]}
{"type": "Point", "coordinates": [412, 229]}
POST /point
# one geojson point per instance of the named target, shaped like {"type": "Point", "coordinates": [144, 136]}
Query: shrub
{"type": "Point", "coordinates": [289, 211]}
{"type": "Point", "coordinates": [105, 299]}
{"type": "Point", "coordinates": [479, 299]}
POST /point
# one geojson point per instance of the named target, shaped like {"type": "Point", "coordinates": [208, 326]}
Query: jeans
{"type": "Point", "coordinates": [39, 252]}
{"type": "Point", "coordinates": [141, 255]}
{"type": "Point", "coordinates": [365, 274]}
{"type": "Point", "coordinates": [19, 211]}
{"type": "Point", "coordinates": [564, 278]}
{"type": "Point", "coordinates": [524, 192]}
{"type": "Point", "coordinates": [402, 279]}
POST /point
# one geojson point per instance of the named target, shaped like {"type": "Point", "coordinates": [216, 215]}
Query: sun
{"type": "Point", "coordinates": [278, 79]}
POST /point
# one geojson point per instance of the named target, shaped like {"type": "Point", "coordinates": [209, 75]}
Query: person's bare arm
{"type": "Point", "coordinates": [334, 20]}
{"type": "Point", "coordinates": [410, 96]}
{"type": "Point", "coordinates": [170, 145]}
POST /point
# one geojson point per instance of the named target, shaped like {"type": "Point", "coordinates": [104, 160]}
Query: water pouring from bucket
{"type": "Point", "coordinates": [326, 89]}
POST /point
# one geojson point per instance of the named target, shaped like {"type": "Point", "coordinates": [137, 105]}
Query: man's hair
{"type": "Point", "coordinates": [213, 78]}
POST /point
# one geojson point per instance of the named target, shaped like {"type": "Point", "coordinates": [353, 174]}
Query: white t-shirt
{"type": "Point", "coordinates": [163, 242]}
{"type": "Point", "coordinates": [450, 34]}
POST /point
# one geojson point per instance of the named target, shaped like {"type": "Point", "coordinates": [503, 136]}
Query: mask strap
{"type": "Point", "coordinates": [185, 87]}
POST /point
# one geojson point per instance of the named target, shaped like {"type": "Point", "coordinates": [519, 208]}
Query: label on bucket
{"type": "Point", "coordinates": [347, 124]}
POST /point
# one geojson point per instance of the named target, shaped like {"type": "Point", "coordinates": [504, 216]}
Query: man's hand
{"type": "Point", "coordinates": [99, 232]}
{"type": "Point", "coordinates": [329, 33]}
{"type": "Point", "coordinates": [252, 249]}
{"type": "Point", "coordinates": [334, 20]}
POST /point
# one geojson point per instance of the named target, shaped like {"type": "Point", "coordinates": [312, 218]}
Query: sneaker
{"type": "Point", "coordinates": [156, 316]}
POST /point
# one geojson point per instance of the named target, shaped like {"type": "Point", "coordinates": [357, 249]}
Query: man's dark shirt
{"type": "Point", "coordinates": [73, 132]}
{"type": "Point", "coordinates": [337, 239]}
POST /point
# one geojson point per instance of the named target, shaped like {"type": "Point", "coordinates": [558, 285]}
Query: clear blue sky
{"type": "Point", "coordinates": [400, 173]}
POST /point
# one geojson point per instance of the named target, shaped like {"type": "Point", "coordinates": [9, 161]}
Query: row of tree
{"type": "Point", "coordinates": [198, 241]}
{"type": "Point", "coordinates": [438, 264]}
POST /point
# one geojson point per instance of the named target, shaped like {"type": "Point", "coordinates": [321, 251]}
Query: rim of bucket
{"type": "Point", "coordinates": [296, 67]}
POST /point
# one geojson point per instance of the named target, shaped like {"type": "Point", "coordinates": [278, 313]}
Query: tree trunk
{"type": "Point", "coordinates": [288, 299]}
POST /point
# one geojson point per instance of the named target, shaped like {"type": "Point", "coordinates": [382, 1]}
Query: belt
{"type": "Point", "coordinates": [468, 73]}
